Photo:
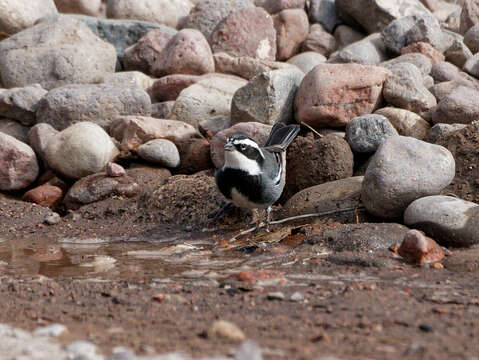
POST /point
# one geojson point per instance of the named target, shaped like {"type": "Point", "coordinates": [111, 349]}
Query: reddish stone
{"type": "Point", "coordinates": [45, 195]}
{"type": "Point", "coordinates": [254, 276]}
{"type": "Point", "coordinates": [169, 87]}
{"type": "Point", "coordinates": [320, 41]}
{"type": "Point", "coordinates": [292, 28]}
{"type": "Point", "coordinates": [420, 249]}
{"type": "Point", "coordinates": [114, 170]}
{"type": "Point", "coordinates": [425, 49]}
{"type": "Point", "coordinates": [194, 155]}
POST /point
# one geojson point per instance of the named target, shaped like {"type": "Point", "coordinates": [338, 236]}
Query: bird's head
{"type": "Point", "coordinates": [243, 153]}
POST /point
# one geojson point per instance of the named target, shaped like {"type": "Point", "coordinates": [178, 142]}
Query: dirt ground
{"type": "Point", "coordinates": [359, 304]}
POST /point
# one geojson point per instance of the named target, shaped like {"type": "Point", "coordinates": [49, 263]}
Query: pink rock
{"type": "Point", "coordinates": [142, 55]}
{"type": "Point", "coordinates": [188, 52]}
{"type": "Point", "coordinates": [292, 28]}
{"type": "Point", "coordinates": [114, 170]}
{"type": "Point", "coordinates": [320, 41]}
{"type": "Point", "coordinates": [194, 155]}
{"type": "Point", "coordinates": [44, 195]}
{"type": "Point", "coordinates": [333, 94]}
{"type": "Point", "coordinates": [425, 49]}
{"type": "Point", "coordinates": [169, 87]}
{"type": "Point", "coordinates": [18, 163]}
{"type": "Point", "coordinates": [420, 249]}
{"type": "Point", "coordinates": [246, 32]}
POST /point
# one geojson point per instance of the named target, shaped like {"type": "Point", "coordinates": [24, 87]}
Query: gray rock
{"type": "Point", "coordinates": [268, 98]}
{"type": "Point", "coordinates": [422, 62]}
{"type": "Point", "coordinates": [365, 133]}
{"type": "Point", "coordinates": [21, 103]}
{"type": "Point", "coordinates": [405, 89]}
{"type": "Point", "coordinates": [471, 38]}
{"type": "Point", "coordinates": [319, 40]}
{"type": "Point", "coordinates": [248, 350]}
{"type": "Point", "coordinates": [440, 130]}
{"type": "Point", "coordinates": [368, 51]}
{"type": "Point", "coordinates": [406, 122]}
{"type": "Point", "coordinates": [458, 53]}
{"type": "Point", "coordinates": [346, 35]}
{"type": "Point", "coordinates": [160, 151]}
{"type": "Point", "coordinates": [306, 61]}
{"type": "Point", "coordinates": [205, 99]}
{"type": "Point", "coordinates": [100, 104]}
{"type": "Point", "coordinates": [55, 54]}
{"type": "Point", "coordinates": [129, 79]}
{"type": "Point", "coordinates": [443, 89]}
{"type": "Point", "coordinates": [17, 15]}
{"type": "Point", "coordinates": [445, 71]}
{"type": "Point", "coordinates": [38, 137]}
{"type": "Point", "coordinates": [471, 66]}
{"type": "Point", "coordinates": [80, 150]}
{"type": "Point", "coordinates": [469, 15]}
{"type": "Point", "coordinates": [15, 129]}
{"type": "Point", "coordinates": [448, 220]}
{"type": "Point", "coordinates": [459, 107]}
{"type": "Point", "coordinates": [82, 350]}
{"type": "Point", "coordinates": [18, 164]}
{"type": "Point", "coordinates": [52, 219]}
{"type": "Point", "coordinates": [210, 127]}
{"type": "Point", "coordinates": [324, 12]}
{"type": "Point", "coordinates": [161, 110]}
{"type": "Point", "coordinates": [402, 170]}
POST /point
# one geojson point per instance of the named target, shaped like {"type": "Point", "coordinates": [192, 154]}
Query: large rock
{"type": "Point", "coordinates": [17, 15]}
{"type": "Point", "coordinates": [471, 66]}
{"type": "Point", "coordinates": [292, 28]}
{"type": "Point", "coordinates": [80, 150]}
{"type": "Point", "coordinates": [132, 131]}
{"type": "Point", "coordinates": [324, 12]}
{"type": "Point", "coordinates": [312, 161]}
{"type": "Point", "coordinates": [21, 103]}
{"type": "Point", "coordinates": [18, 164]}
{"type": "Point", "coordinates": [166, 12]}
{"type": "Point", "coordinates": [268, 98]}
{"type": "Point", "coordinates": [440, 130]}
{"type": "Point", "coordinates": [206, 14]}
{"type": "Point", "coordinates": [169, 87]}
{"type": "Point", "coordinates": [55, 54]}
{"type": "Point", "coordinates": [39, 136]}
{"type": "Point", "coordinates": [346, 35]}
{"type": "Point", "coordinates": [469, 15]}
{"type": "Point", "coordinates": [100, 104]}
{"type": "Point", "coordinates": [333, 94]}
{"type": "Point", "coordinates": [206, 99]}
{"type": "Point", "coordinates": [406, 122]}
{"type": "Point", "coordinates": [366, 132]}
{"type": "Point", "coordinates": [246, 32]}
{"type": "Point", "coordinates": [459, 107]}
{"type": "Point", "coordinates": [129, 79]}
{"type": "Point", "coordinates": [449, 220]}
{"type": "Point", "coordinates": [367, 51]}
{"type": "Point", "coordinates": [422, 62]}
{"type": "Point", "coordinates": [374, 15]}
{"type": "Point", "coordinates": [187, 52]}
{"type": "Point", "coordinates": [402, 170]}
{"type": "Point", "coordinates": [15, 129]}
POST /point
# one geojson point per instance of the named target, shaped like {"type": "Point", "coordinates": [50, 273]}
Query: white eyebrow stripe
{"type": "Point", "coordinates": [248, 142]}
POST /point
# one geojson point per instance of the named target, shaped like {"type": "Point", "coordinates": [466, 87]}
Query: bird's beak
{"type": "Point", "coordinates": [229, 146]}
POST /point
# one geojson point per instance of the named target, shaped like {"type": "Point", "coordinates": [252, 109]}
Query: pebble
{"type": "Point", "coordinates": [52, 330]}
{"type": "Point", "coordinates": [114, 170]}
{"type": "Point", "coordinates": [365, 133]}
{"type": "Point", "coordinates": [225, 330]}
{"type": "Point", "coordinates": [420, 249]}
{"type": "Point", "coordinates": [278, 295]}
{"type": "Point", "coordinates": [296, 297]}
{"type": "Point", "coordinates": [83, 350]}
{"type": "Point", "coordinates": [160, 151]}
{"type": "Point", "coordinates": [52, 219]}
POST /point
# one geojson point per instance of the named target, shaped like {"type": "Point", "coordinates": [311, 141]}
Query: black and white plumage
{"type": "Point", "coordinates": [254, 176]}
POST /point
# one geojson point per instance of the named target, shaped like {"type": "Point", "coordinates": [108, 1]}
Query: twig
{"type": "Point", "coordinates": [310, 128]}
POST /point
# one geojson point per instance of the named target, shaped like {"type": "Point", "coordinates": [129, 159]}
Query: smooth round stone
{"type": "Point", "coordinates": [448, 220]}
{"type": "Point", "coordinates": [365, 133]}
{"type": "Point", "coordinates": [160, 151]}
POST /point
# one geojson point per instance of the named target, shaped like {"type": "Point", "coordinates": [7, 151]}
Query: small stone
{"type": "Point", "coordinates": [225, 330]}
{"type": "Point", "coordinates": [420, 249]}
{"type": "Point", "coordinates": [440, 130]}
{"type": "Point", "coordinates": [278, 295]}
{"type": "Point", "coordinates": [296, 297]}
{"type": "Point", "coordinates": [114, 169]}
{"type": "Point", "coordinates": [52, 330]}
{"type": "Point", "coordinates": [365, 133]}
{"type": "Point", "coordinates": [52, 219]}
{"type": "Point", "coordinates": [160, 151]}
{"type": "Point", "coordinates": [425, 328]}
{"type": "Point", "coordinates": [44, 195]}
{"type": "Point", "coordinates": [367, 51]}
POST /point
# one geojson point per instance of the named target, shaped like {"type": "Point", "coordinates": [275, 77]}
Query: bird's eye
{"type": "Point", "coordinates": [242, 147]}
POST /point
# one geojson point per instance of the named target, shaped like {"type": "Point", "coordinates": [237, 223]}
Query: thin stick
{"type": "Point", "coordinates": [310, 128]}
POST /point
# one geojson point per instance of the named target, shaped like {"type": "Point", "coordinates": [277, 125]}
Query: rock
{"type": "Point", "coordinates": [391, 181]}
{"type": "Point", "coordinates": [160, 151]}
{"type": "Point", "coordinates": [245, 66]}
{"type": "Point", "coordinates": [166, 12]}
{"type": "Point", "coordinates": [99, 104]}
{"type": "Point", "coordinates": [463, 261]}
{"type": "Point", "coordinates": [246, 32]}
{"type": "Point", "coordinates": [425, 49]}
{"type": "Point", "coordinates": [143, 54]}
{"type": "Point", "coordinates": [161, 110]}
{"type": "Point", "coordinates": [420, 249]}
{"type": "Point", "coordinates": [296, 297]}
{"type": "Point", "coordinates": [422, 62]}
{"type": "Point", "coordinates": [276, 6]}
{"type": "Point", "coordinates": [226, 330]}
{"type": "Point", "coordinates": [440, 130]}
{"type": "Point", "coordinates": [18, 164]}
{"type": "Point", "coordinates": [206, 14]}
{"type": "Point", "coordinates": [458, 53]}
{"type": "Point", "coordinates": [422, 27]}
{"type": "Point", "coordinates": [306, 61]}
{"type": "Point", "coordinates": [96, 187]}
{"type": "Point", "coordinates": [324, 12]}
{"type": "Point", "coordinates": [38, 137]}
{"type": "Point", "coordinates": [128, 79]}
{"type": "Point", "coordinates": [459, 107]}
{"type": "Point", "coordinates": [346, 35]}
{"type": "Point", "coordinates": [205, 99]}
{"type": "Point", "coordinates": [187, 52]}
{"type": "Point", "coordinates": [444, 71]}
{"type": "Point", "coordinates": [368, 51]}
{"type": "Point", "coordinates": [360, 237]}
{"type": "Point", "coordinates": [254, 130]}
{"type": "Point", "coordinates": [311, 161]}
{"type": "Point", "coordinates": [82, 350]}
{"type": "Point", "coordinates": [469, 15]}
{"type": "Point", "coordinates": [319, 40]}
{"type": "Point", "coordinates": [194, 155]}
{"type": "Point", "coordinates": [21, 103]}
{"type": "Point", "coordinates": [132, 131]}
{"type": "Point", "coordinates": [292, 28]}
{"type": "Point", "coordinates": [406, 122]}
{"type": "Point", "coordinates": [365, 133]}
{"type": "Point", "coordinates": [17, 15]}
{"type": "Point", "coordinates": [44, 195]}
{"type": "Point", "coordinates": [114, 170]}
{"type": "Point", "coordinates": [471, 38]}
{"type": "Point", "coordinates": [50, 330]}
{"type": "Point", "coordinates": [15, 129]}
{"type": "Point", "coordinates": [450, 221]}
{"type": "Point", "coordinates": [268, 98]}
{"type": "Point", "coordinates": [29, 56]}
{"type": "Point", "coordinates": [147, 177]}
{"type": "Point", "coordinates": [471, 66]}
{"type": "Point", "coordinates": [52, 219]}
{"type": "Point", "coordinates": [333, 94]}
{"type": "Point", "coordinates": [329, 196]}
{"type": "Point", "coordinates": [210, 127]}
{"type": "Point", "coordinates": [276, 295]}
{"type": "Point", "coordinates": [80, 150]}
{"type": "Point", "coordinates": [405, 90]}
{"type": "Point", "coordinates": [85, 7]}
{"type": "Point", "coordinates": [169, 87]}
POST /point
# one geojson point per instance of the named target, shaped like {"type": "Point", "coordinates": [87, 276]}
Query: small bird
{"type": "Point", "coordinates": [253, 176]}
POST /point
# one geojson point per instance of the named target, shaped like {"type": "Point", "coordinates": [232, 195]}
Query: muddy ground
{"type": "Point", "coordinates": [113, 276]}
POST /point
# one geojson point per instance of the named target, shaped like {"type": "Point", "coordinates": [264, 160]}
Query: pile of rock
{"type": "Point", "coordinates": [164, 83]}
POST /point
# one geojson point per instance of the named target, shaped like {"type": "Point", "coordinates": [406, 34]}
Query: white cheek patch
{"type": "Point", "coordinates": [248, 142]}
{"type": "Point", "coordinates": [236, 160]}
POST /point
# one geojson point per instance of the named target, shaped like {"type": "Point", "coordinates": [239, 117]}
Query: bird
{"type": "Point", "coordinates": [252, 176]}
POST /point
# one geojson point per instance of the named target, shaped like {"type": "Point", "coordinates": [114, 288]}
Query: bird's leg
{"type": "Point", "coordinates": [268, 218]}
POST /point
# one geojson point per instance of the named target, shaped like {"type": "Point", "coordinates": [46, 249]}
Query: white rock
{"type": "Point", "coordinates": [16, 15]}
{"type": "Point", "coordinates": [50, 330]}
{"type": "Point", "coordinates": [161, 152]}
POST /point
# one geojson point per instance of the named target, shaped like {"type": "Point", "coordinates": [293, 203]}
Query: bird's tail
{"type": "Point", "coordinates": [282, 135]}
